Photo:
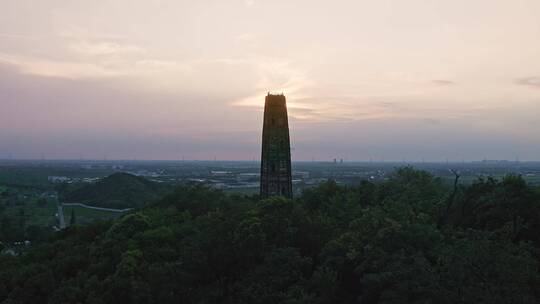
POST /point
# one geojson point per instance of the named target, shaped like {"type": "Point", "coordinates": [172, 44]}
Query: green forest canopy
{"type": "Point", "coordinates": [407, 240]}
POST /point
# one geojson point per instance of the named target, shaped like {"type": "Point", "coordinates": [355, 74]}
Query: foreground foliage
{"type": "Point", "coordinates": [408, 240]}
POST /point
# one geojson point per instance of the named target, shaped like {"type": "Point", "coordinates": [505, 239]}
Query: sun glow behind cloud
{"type": "Point", "coordinates": [190, 73]}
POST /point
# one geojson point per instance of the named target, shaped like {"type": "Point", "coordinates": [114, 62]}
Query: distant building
{"type": "Point", "coordinates": [301, 174]}
{"type": "Point", "coordinates": [276, 179]}
{"type": "Point", "coordinates": [221, 173]}
{"type": "Point", "coordinates": [243, 177]}
{"type": "Point", "coordinates": [58, 179]}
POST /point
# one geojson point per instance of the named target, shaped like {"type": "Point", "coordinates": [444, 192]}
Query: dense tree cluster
{"type": "Point", "coordinates": [16, 222]}
{"type": "Point", "coordinates": [410, 239]}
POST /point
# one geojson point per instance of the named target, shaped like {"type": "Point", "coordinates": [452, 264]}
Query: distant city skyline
{"type": "Point", "coordinates": [161, 79]}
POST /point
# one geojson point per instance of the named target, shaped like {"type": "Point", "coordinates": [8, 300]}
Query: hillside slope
{"type": "Point", "coordinates": [119, 190]}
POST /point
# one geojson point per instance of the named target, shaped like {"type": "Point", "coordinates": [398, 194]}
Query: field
{"type": "Point", "coordinates": [243, 190]}
{"type": "Point", "coordinates": [85, 215]}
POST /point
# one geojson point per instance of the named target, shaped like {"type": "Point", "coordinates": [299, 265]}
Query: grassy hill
{"type": "Point", "coordinates": [119, 190]}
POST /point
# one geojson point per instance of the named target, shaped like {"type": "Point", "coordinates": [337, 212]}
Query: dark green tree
{"type": "Point", "coordinates": [72, 219]}
{"type": "Point", "coordinates": [379, 242]}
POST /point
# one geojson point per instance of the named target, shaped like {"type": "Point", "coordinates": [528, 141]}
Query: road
{"type": "Point", "coordinates": [98, 208]}
{"type": "Point", "coordinates": [61, 219]}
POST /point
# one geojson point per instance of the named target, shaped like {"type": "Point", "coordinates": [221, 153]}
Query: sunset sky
{"type": "Point", "coordinates": [162, 79]}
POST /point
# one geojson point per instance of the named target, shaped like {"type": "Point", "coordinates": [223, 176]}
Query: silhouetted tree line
{"type": "Point", "coordinates": [410, 239]}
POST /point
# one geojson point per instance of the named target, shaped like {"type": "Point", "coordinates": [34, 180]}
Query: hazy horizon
{"type": "Point", "coordinates": [257, 160]}
{"type": "Point", "coordinates": [162, 79]}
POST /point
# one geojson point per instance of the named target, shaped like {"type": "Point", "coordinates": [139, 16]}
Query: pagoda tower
{"type": "Point", "coordinates": [276, 177]}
